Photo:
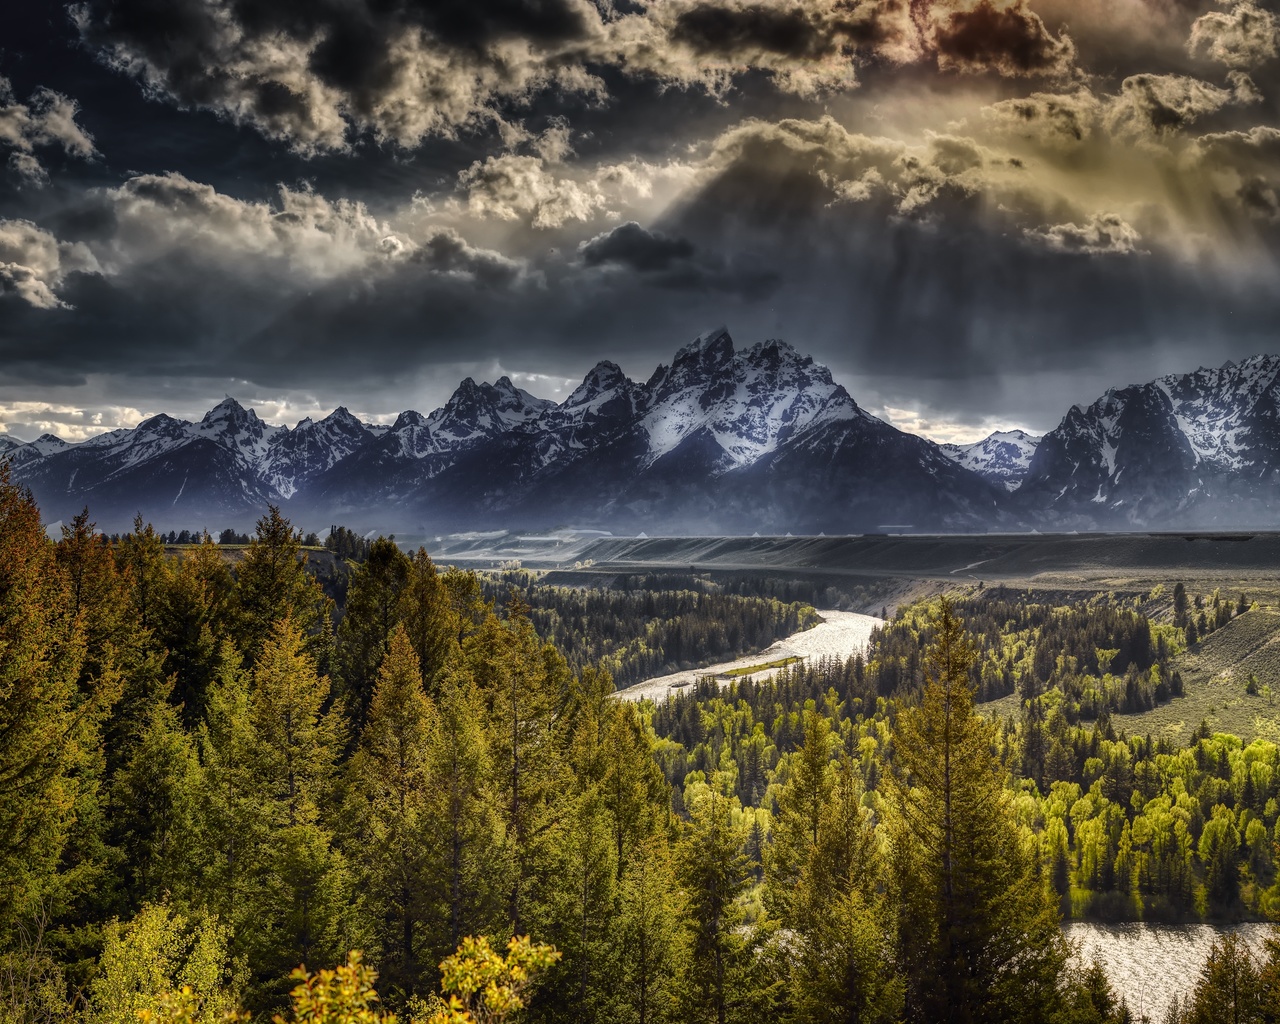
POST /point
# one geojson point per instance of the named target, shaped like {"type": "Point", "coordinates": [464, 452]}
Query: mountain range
{"type": "Point", "coordinates": [721, 440]}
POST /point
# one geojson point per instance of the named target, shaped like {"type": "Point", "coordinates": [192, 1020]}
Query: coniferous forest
{"type": "Point", "coordinates": [211, 776]}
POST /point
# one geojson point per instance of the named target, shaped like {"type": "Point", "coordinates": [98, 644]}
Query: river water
{"type": "Point", "coordinates": [1149, 964]}
{"type": "Point", "coordinates": [839, 635]}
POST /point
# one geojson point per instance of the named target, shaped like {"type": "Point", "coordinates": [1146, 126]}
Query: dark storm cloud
{"type": "Point", "coordinates": [319, 75]}
{"type": "Point", "coordinates": [938, 198]}
{"type": "Point", "coordinates": [672, 262]}
{"type": "Point", "coordinates": [630, 245]}
{"type": "Point", "coordinates": [1011, 39]}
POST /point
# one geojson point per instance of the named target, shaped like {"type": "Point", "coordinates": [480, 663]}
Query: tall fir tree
{"type": "Point", "coordinates": [373, 610]}
{"type": "Point", "coordinates": [978, 935]}
{"type": "Point", "coordinates": [392, 782]}
{"type": "Point", "coordinates": [272, 583]}
{"type": "Point", "coordinates": [47, 724]}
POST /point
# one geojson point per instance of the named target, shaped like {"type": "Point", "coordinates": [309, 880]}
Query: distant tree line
{"type": "Point", "coordinates": [634, 633]}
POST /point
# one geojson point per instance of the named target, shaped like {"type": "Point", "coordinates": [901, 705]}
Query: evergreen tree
{"type": "Point", "coordinates": [153, 809]}
{"type": "Point", "coordinates": [470, 868]}
{"type": "Point", "coordinates": [1228, 991]}
{"type": "Point", "coordinates": [714, 874]}
{"type": "Point", "coordinates": [978, 932]}
{"type": "Point", "coordinates": [432, 615]}
{"type": "Point", "coordinates": [392, 777]}
{"type": "Point", "coordinates": [801, 807]}
{"type": "Point", "coordinates": [373, 611]}
{"type": "Point", "coordinates": [843, 971]}
{"type": "Point", "coordinates": [525, 685]}
{"type": "Point", "coordinates": [191, 618]}
{"type": "Point", "coordinates": [272, 583]}
{"type": "Point", "coordinates": [47, 732]}
{"type": "Point", "coordinates": [653, 940]}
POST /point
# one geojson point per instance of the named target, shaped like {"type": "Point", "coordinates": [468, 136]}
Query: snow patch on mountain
{"type": "Point", "coordinates": [750, 402]}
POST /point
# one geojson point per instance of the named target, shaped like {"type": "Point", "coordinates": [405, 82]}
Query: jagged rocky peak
{"type": "Point", "coordinates": [343, 417]}
{"type": "Point", "coordinates": [409, 418]}
{"type": "Point", "coordinates": [705, 358]}
{"type": "Point", "coordinates": [476, 411]}
{"type": "Point", "coordinates": [232, 421]}
{"type": "Point", "coordinates": [709, 348]}
{"type": "Point", "coordinates": [774, 353]}
{"type": "Point", "coordinates": [603, 378]}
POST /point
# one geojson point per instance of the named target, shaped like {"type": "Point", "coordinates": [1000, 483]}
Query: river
{"type": "Point", "coordinates": [839, 635]}
{"type": "Point", "coordinates": [1149, 964]}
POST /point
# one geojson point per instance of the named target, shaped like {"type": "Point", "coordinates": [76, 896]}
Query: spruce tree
{"type": "Point", "coordinates": [801, 806]}
{"type": "Point", "coordinates": [469, 873]}
{"type": "Point", "coordinates": [714, 873]}
{"type": "Point", "coordinates": [654, 942]}
{"type": "Point", "coordinates": [1229, 988]}
{"type": "Point", "coordinates": [391, 776]}
{"type": "Point", "coordinates": [373, 610]}
{"type": "Point", "coordinates": [978, 936]}
{"type": "Point", "coordinates": [46, 724]}
{"type": "Point", "coordinates": [272, 583]}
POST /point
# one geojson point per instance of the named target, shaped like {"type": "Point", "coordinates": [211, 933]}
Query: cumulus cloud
{"type": "Point", "coordinates": [1165, 103]}
{"type": "Point", "coordinates": [302, 232]}
{"type": "Point", "coordinates": [28, 420]}
{"type": "Point", "coordinates": [1104, 234]}
{"type": "Point", "coordinates": [1247, 36]}
{"type": "Point", "coordinates": [537, 191]}
{"type": "Point", "coordinates": [33, 263]}
{"type": "Point", "coordinates": [1242, 170]}
{"type": "Point", "coordinates": [311, 74]}
{"type": "Point", "coordinates": [447, 252]}
{"type": "Point", "coordinates": [1055, 120]}
{"type": "Point", "coordinates": [511, 187]}
{"type": "Point", "coordinates": [767, 171]}
{"type": "Point", "coordinates": [48, 118]}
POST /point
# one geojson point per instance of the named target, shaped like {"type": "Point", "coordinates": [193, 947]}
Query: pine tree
{"type": "Point", "coordinates": [431, 614]}
{"type": "Point", "coordinates": [234, 814]}
{"type": "Point", "coordinates": [153, 809]}
{"type": "Point", "coordinates": [843, 969]}
{"type": "Point", "coordinates": [978, 931]}
{"type": "Point", "coordinates": [801, 806]}
{"type": "Point", "coordinates": [46, 724]}
{"type": "Point", "coordinates": [296, 747]}
{"type": "Point", "coordinates": [714, 873]}
{"type": "Point", "coordinates": [525, 685]}
{"type": "Point", "coordinates": [373, 611]}
{"type": "Point", "coordinates": [1228, 989]}
{"type": "Point", "coordinates": [654, 943]}
{"type": "Point", "coordinates": [391, 775]}
{"type": "Point", "coordinates": [190, 619]}
{"type": "Point", "coordinates": [471, 865]}
{"type": "Point", "coordinates": [272, 583]}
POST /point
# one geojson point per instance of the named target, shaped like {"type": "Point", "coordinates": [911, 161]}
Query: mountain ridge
{"type": "Point", "coordinates": [718, 440]}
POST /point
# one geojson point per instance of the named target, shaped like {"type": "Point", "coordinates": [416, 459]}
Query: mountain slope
{"type": "Point", "coordinates": [1196, 449]}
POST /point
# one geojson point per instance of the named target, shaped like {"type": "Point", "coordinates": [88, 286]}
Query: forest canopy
{"type": "Point", "coordinates": [211, 777]}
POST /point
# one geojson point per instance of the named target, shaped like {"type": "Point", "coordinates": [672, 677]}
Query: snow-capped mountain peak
{"type": "Point", "coordinates": [1002, 457]}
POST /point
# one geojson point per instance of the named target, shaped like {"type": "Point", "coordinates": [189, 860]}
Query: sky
{"type": "Point", "coordinates": [975, 212]}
